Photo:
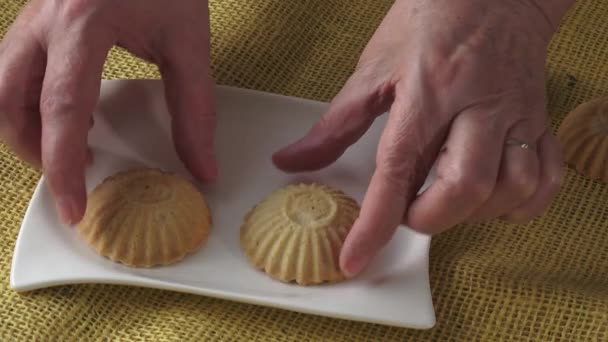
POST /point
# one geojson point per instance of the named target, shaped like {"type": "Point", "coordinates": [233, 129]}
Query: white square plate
{"type": "Point", "coordinates": [132, 129]}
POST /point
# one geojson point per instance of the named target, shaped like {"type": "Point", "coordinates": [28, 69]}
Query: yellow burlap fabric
{"type": "Point", "coordinates": [541, 282]}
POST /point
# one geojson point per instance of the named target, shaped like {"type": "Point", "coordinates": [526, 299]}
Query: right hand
{"type": "Point", "coordinates": [456, 94]}
{"type": "Point", "coordinates": [51, 62]}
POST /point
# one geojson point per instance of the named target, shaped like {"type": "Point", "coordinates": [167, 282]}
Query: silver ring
{"type": "Point", "coordinates": [519, 143]}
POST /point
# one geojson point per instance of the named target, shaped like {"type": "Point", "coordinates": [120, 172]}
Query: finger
{"type": "Point", "coordinates": [518, 177]}
{"type": "Point", "coordinates": [349, 116]}
{"type": "Point", "coordinates": [21, 72]}
{"type": "Point", "coordinates": [406, 149]}
{"type": "Point", "coordinates": [189, 93]}
{"type": "Point", "coordinates": [89, 160]}
{"type": "Point", "coordinates": [551, 175]}
{"type": "Point", "coordinates": [69, 94]}
{"type": "Point", "coordinates": [466, 173]}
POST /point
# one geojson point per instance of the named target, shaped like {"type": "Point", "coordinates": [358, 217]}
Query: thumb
{"type": "Point", "coordinates": [349, 116]}
{"type": "Point", "coordinates": [189, 94]}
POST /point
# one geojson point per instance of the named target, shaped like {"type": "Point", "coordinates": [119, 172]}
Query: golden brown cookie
{"type": "Point", "coordinates": [145, 218]}
{"type": "Point", "coordinates": [297, 232]}
{"type": "Point", "coordinates": [583, 136]}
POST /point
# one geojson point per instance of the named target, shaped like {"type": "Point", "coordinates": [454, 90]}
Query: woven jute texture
{"type": "Point", "coordinates": [544, 281]}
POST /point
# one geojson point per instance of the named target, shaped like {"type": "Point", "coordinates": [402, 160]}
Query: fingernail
{"type": "Point", "coordinates": [67, 209]}
{"type": "Point", "coordinates": [355, 265]}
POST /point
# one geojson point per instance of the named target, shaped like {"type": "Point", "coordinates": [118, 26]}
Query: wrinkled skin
{"type": "Point", "coordinates": [458, 79]}
{"type": "Point", "coordinates": [50, 72]}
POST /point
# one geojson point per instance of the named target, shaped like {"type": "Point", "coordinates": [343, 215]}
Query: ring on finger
{"type": "Point", "coordinates": [519, 143]}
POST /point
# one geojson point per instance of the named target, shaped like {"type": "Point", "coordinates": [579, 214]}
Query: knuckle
{"type": "Point", "coordinates": [324, 126]}
{"type": "Point", "coordinates": [523, 183]}
{"type": "Point", "coordinates": [467, 186]}
{"type": "Point", "coordinates": [368, 63]}
{"type": "Point", "coordinates": [393, 174]}
{"type": "Point", "coordinates": [445, 65]}
{"type": "Point", "coordinates": [75, 9]}
{"type": "Point", "coordinates": [402, 173]}
{"type": "Point", "coordinates": [331, 129]}
{"type": "Point", "coordinates": [57, 108]}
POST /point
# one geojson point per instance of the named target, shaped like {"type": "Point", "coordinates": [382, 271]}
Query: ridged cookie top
{"type": "Point", "coordinates": [145, 217]}
{"type": "Point", "coordinates": [583, 136]}
{"type": "Point", "coordinates": [297, 232]}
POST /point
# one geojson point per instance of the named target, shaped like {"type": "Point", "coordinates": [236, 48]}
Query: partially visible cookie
{"type": "Point", "coordinates": [583, 136]}
{"type": "Point", "coordinates": [296, 233]}
{"type": "Point", "coordinates": [145, 218]}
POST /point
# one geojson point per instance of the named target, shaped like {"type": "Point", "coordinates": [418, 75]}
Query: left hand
{"type": "Point", "coordinates": [51, 62]}
{"type": "Point", "coordinates": [461, 79]}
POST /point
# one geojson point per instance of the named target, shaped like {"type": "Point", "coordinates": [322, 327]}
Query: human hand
{"type": "Point", "coordinates": [51, 62]}
{"type": "Point", "coordinates": [461, 80]}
